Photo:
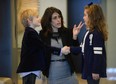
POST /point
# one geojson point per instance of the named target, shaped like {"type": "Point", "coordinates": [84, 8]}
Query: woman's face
{"type": "Point", "coordinates": [85, 17]}
{"type": "Point", "coordinates": [56, 20]}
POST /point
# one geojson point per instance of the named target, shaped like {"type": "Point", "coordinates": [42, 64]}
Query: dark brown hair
{"type": "Point", "coordinates": [47, 17]}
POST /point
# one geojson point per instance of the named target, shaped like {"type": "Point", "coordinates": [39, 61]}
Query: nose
{"type": "Point", "coordinates": [39, 19]}
{"type": "Point", "coordinates": [59, 19]}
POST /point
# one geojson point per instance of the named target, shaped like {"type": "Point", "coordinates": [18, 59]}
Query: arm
{"type": "Point", "coordinates": [75, 50]}
{"type": "Point", "coordinates": [37, 42]}
{"type": "Point", "coordinates": [98, 54]}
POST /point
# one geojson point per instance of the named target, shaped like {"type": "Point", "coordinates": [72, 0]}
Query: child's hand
{"type": "Point", "coordinates": [95, 76]}
{"type": "Point", "coordinates": [76, 30]}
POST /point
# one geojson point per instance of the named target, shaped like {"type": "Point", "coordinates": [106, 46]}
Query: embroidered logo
{"type": "Point", "coordinates": [90, 37]}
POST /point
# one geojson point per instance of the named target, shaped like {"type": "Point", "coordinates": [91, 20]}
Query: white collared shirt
{"type": "Point", "coordinates": [83, 44]}
{"type": "Point", "coordinates": [38, 73]}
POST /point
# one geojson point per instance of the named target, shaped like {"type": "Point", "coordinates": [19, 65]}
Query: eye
{"type": "Point", "coordinates": [59, 16]}
{"type": "Point", "coordinates": [54, 17]}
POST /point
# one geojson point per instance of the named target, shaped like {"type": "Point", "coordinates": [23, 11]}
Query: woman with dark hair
{"type": "Point", "coordinates": [60, 68]}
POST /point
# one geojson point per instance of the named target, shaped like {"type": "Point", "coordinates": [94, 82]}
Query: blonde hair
{"type": "Point", "coordinates": [27, 14]}
{"type": "Point", "coordinates": [96, 19]}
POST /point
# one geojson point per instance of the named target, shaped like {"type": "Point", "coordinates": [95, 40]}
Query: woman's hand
{"type": "Point", "coordinates": [65, 50]}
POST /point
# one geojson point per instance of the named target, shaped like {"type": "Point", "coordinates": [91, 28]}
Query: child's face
{"type": "Point", "coordinates": [85, 17]}
{"type": "Point", "coordinates": [56, 20]}
{"type": "Point", "coordinates": [36, 21]}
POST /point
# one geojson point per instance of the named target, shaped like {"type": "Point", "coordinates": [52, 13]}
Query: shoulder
{"type": "Point", "coordinates": [96, 30]}
{"type": "Point", "coordinates": [31, 32]}
{"type": "Point", "coordinates": [29, 29]}
{"type": "Point", "coordinates": [97, 35]}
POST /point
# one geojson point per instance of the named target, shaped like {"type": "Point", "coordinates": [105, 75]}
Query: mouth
{"type": "Point", "coordinates": [58, 23]}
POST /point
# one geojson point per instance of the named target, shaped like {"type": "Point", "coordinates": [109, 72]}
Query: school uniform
{"type": "Point", "coordinates": [94, 54]}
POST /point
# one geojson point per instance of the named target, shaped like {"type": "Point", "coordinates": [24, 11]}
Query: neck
{"type": "Point", "coordinates": [31, 26]}
{"type": "Point", "coordinates": [88, 28]}
{"type": "Point", "coordinates": [55, 29]}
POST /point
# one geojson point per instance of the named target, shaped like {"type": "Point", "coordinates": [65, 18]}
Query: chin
{"type": "Point", "coordinates": [59, 26]}
{"type": "Point", "coordinates": [85, 23]}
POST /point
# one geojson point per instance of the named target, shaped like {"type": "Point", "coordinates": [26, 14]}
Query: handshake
{"type": "Point", "coordinates": [65, 50]}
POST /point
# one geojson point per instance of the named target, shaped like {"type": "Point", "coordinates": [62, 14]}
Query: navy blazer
{"type": "Point", "coordinates": [33, 51]}
{"type": "Point", "coordinates": [67, 40]}
{"type": "Point", "coordinates": [94, 55]}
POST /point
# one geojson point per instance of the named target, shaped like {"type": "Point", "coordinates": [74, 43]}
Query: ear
{"type": "Point", "coordinates": [29, 21]}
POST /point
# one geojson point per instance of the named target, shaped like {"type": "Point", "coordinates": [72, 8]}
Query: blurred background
{"type": "Point", "coordinates": [11, 32]}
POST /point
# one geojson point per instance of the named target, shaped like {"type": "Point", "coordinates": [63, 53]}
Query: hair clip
{"type": "Point", "coordinates": [91, 3]}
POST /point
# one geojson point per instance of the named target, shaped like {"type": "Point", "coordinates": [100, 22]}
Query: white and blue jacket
{"type": "Point", "coordinates": [94, 54]}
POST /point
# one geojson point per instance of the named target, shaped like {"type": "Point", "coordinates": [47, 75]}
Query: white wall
{"type": "Point", "coordinates": [111, 44]}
